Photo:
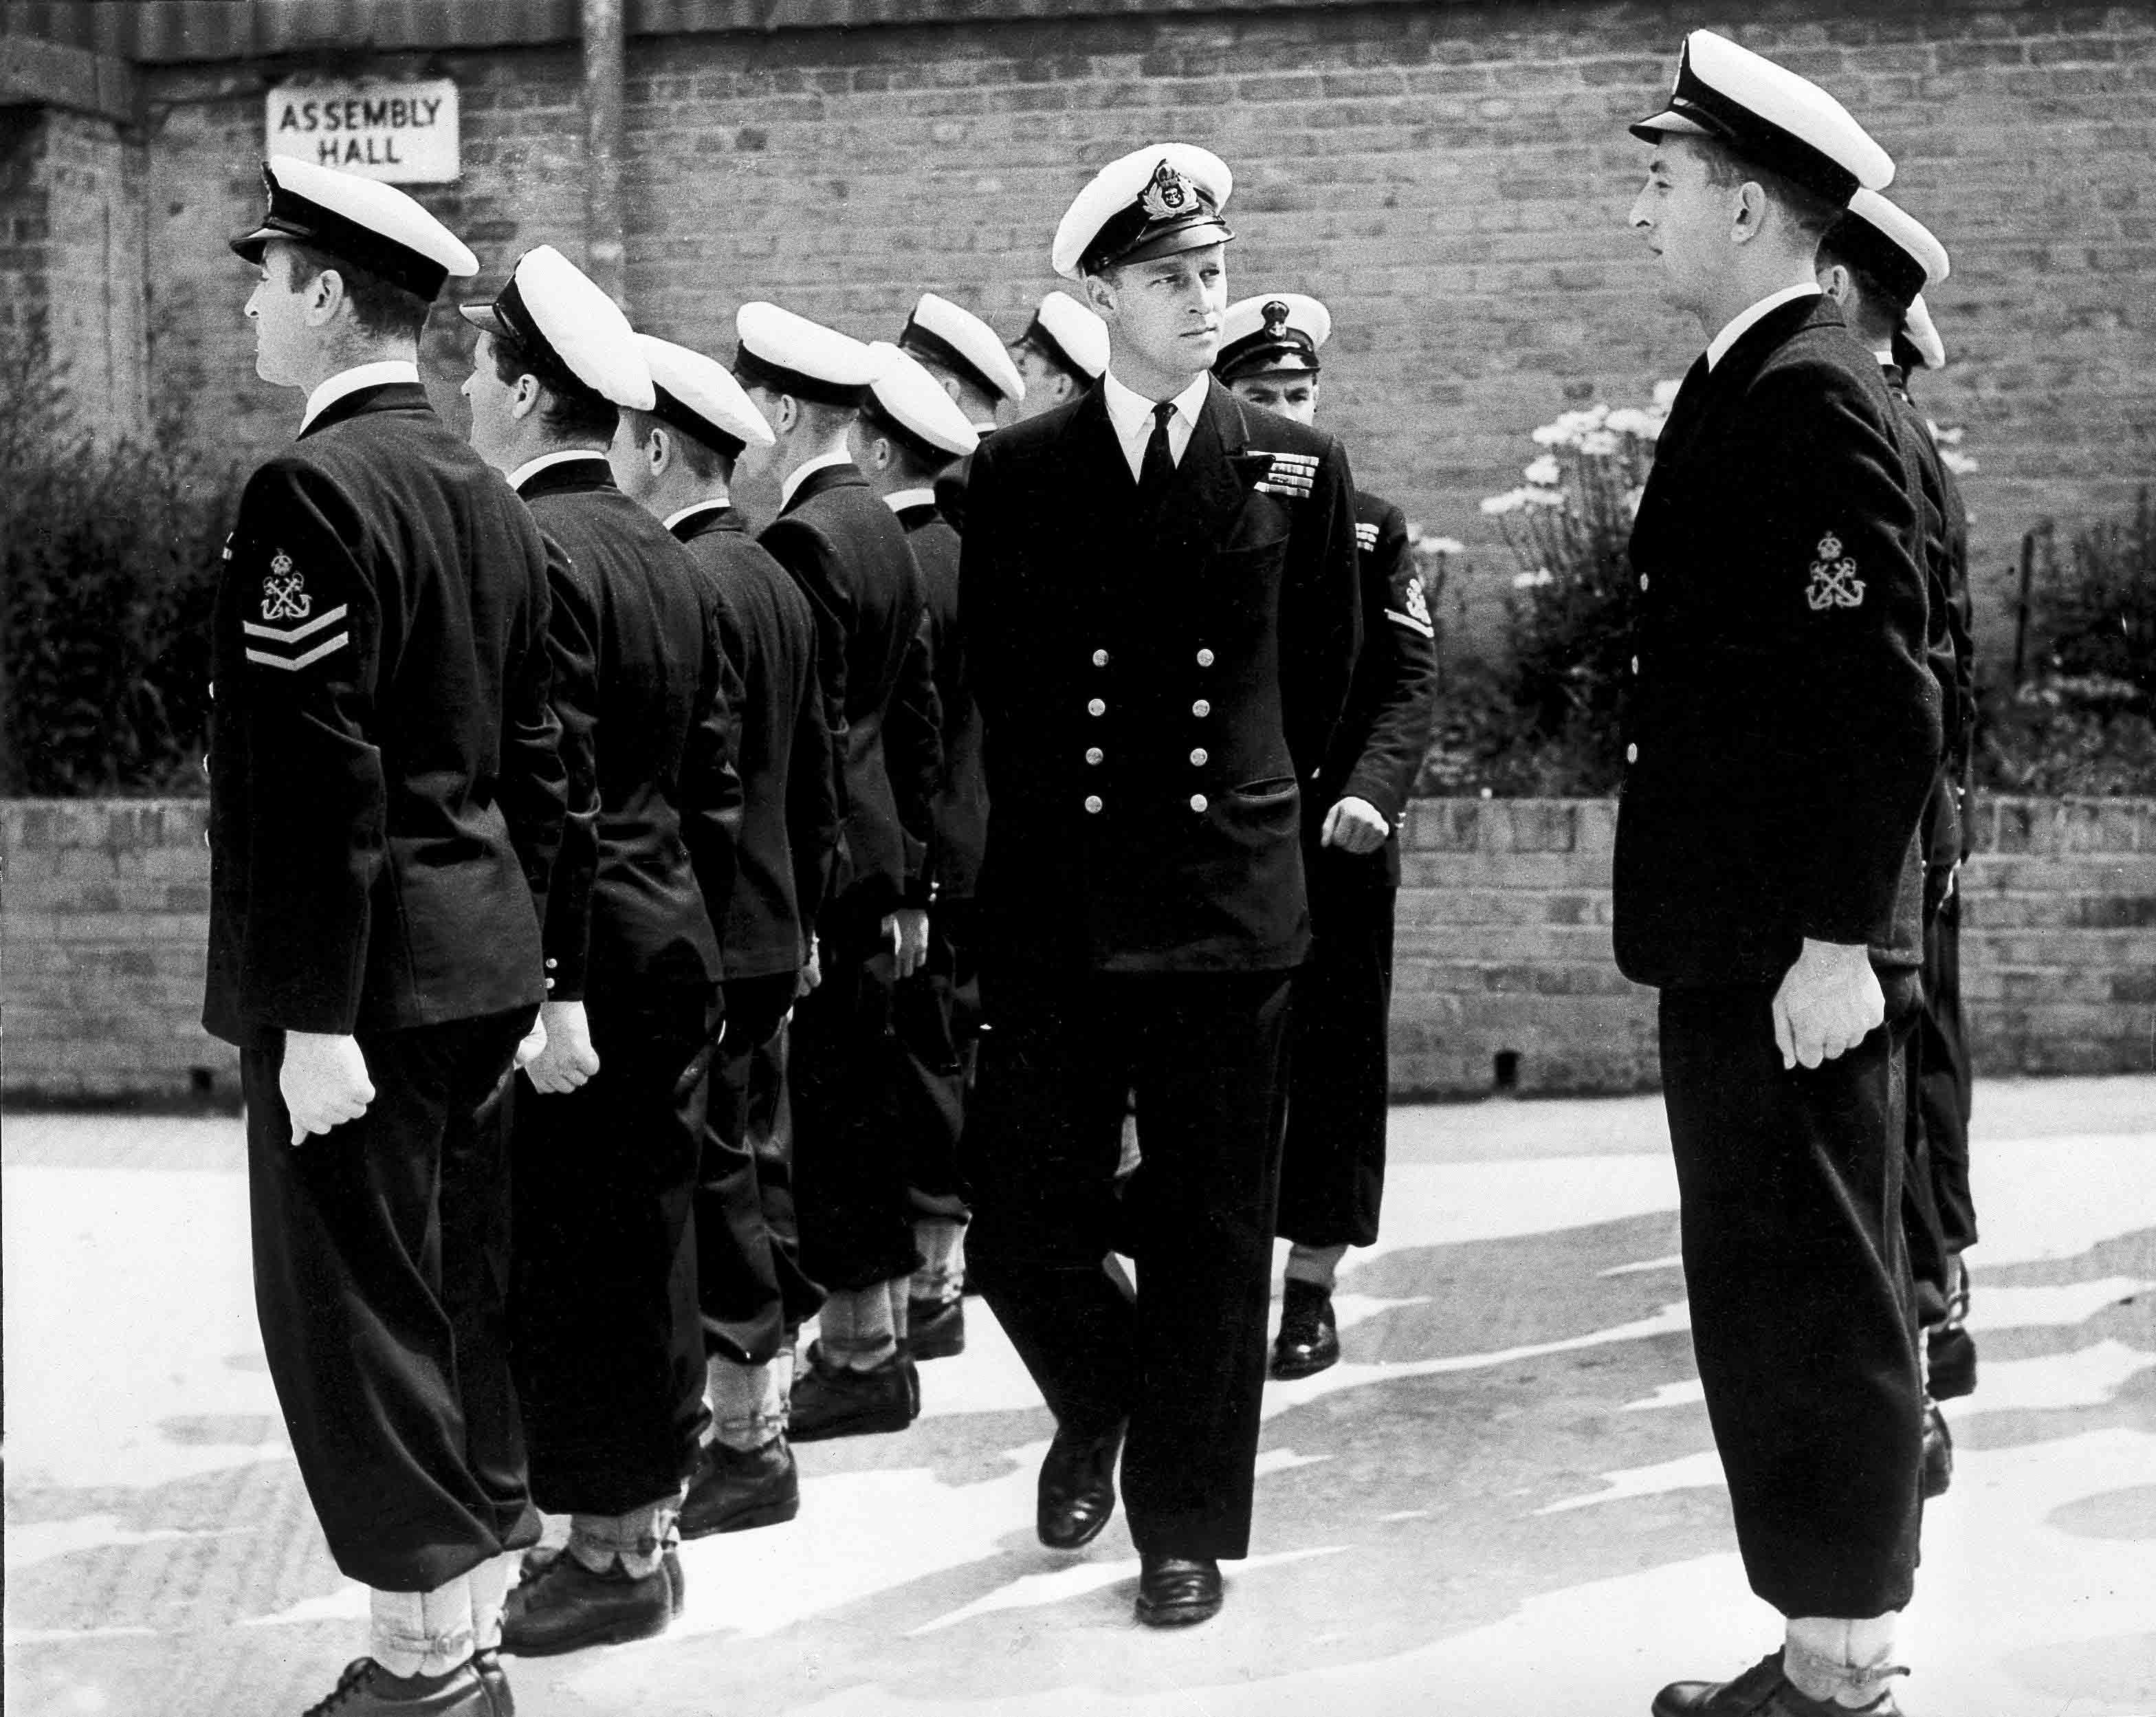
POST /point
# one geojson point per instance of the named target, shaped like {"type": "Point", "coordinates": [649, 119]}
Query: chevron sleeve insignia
{"type": "Point", "coordinates": [299, 646]}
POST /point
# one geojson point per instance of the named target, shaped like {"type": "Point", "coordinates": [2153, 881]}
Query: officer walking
{"type": "Point", "coordinates": [678, 461]}
{"type": "Point", "coordinates": [849, 556]}
{"type": "Point", "coordinates": [1784, 735]}
{"type": "Point", "coordinates": [1332, 1168]}
{"type": "Point", "coordinates": [609, 1353]}
{"type": "Point", "coordinates": [1877, 262]}
{"type": "Point", "coordinates": [910, 428]}
{"type": "Point", "coordinates": [1159, 590]}
{"type": "Point", "coordinates": [385, 799]}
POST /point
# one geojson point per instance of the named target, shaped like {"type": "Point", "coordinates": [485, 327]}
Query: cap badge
{"type": "Point", "coordinates": [1835, 583]}
{"type": "Point", "coordinates": [1167, 195]}
{"type": "Point", "coordinates": [1274, 315]}
{"type": "Point", "coordinates": [284, 592]}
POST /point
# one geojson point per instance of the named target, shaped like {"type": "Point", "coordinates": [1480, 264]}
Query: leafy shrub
{"type": "Point", "coordinates": [2082, 718]}
{"type": "Point", "coordinates": [108, 557]}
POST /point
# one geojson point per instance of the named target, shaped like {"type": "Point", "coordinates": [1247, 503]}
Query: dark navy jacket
{"type": "Point", "coordinates": [1785, 726]}
{"type": "Point", "coordinates": [659, 727]}
{"type": "Point", "coordinates": [783, 747]}
{"type": "Point", "coordinates": [1157, 693]}
{"type": "Point", "coordinates": [1392, 703]}
{"type": "Point", "coordinates": [386, 793]}
{"type": "Point", "coordinates": [960, 812]}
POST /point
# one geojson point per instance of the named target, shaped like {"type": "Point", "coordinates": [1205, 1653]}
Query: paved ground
{"type": "Point", "coordinates": [1506, 1501]}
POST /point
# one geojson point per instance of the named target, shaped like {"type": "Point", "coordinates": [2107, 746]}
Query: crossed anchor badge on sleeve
{"type": "Point", "coordinates": [1835, 583]}
{"type": "Point", "coordinates": [284, 593]}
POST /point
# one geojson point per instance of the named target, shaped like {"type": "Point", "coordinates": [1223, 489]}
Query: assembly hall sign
{"type": "Point", "coordinates": [402, 129]}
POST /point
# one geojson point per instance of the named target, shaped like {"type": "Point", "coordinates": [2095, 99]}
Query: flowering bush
{"type": "Point", "coordinates": [1546, 721]}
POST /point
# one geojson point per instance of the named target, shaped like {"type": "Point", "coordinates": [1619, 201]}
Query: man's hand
{"type": "Point", "coordinates": [1354, 826]}
{"type": "Point", "coordinates": [1829, 1002]}
{"type": "Point", "coordinates": [812, 972]}
{"type": "Point", "coordinates": [531, 1043]}
{"type": "Point", "coordinates": [323, 1081]}
{"type": "Point", "coordinates": [568, 1059]}
{"type": "Point", "coordinates": [908, 930]}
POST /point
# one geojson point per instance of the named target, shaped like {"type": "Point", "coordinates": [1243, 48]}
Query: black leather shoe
{"type": "Point", "coordinates": [1077, 1492]}
{"type": "Point", "coordinates": [1950, 1363]}
{"type": "Point", "coordinates": [495, 1680]}
{"type": "Point", "coordinates": [934, 1330]}
{"type": "Point", "coordinates": [568, 1607]}
{"type": "Point", "coordinates": [1761, 1691]}
{"type": "Point", "coordinates": [366, 1689]}
{"type": "Point", "coordinates": [833, 1401]}
{"type": "Point", "coordinates": [734, 1491]}
{"type": "Point", "coordinates": [1174, 1592]}
{"type": "Point", "coordinates": [1938, 1452]}
{"type": "Point", "coordinates": [1309, 1341]}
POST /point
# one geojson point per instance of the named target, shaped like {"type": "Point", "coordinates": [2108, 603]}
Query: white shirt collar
{"type": "Point", "coordinates": [1884, 354]}
{"type": "Point", "coordinates": [531, 467]}
{"type": "Point", "coordinates": [351, 381]}
{"type": "Point", "coordinates": [1718, 347]}
{"type": "Point", "coordinates": [807, 468]}
{"type": "Point", "coordinates": [1131, 412]}
{"type": "Point", "coordinates": [901, 499]}
{"type": "Point", "coordinates": [715, 504]}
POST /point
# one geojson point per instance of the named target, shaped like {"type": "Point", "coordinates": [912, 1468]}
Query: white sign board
{"type": "Point", "coordinates": [398, 129]}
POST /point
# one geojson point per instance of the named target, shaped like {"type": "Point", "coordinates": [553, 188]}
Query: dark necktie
{"type": "Point", "coordinates": [1158, 466]}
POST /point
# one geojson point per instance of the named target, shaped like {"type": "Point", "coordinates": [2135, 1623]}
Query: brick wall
{"type": "Point", "coordinates": [1454, 179]}
{"type": "Point", "coordinates": [1503, 948]}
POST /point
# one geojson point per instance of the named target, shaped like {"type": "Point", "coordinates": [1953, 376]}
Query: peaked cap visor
{"type": "Point", "coordinates": [355, 232]}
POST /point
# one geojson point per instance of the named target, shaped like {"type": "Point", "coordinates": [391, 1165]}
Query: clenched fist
{"type": "Point", "coordinates": [323, 1081]}
{"type": "Point", "coordinates": [1829, 1002]}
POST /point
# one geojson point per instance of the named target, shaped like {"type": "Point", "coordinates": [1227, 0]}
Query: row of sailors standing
{"type": "Point", "coordinates": [739, 776]}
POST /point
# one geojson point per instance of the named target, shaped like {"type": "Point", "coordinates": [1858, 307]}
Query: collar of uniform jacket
{"type": "Point", "coordinates": [898, 500]}
{"type": "Point", "coordinates": [697, 518]}
{"type": "Point", "coordinates": [801, 473]}
{"type": "Point", "coordinates": [349, 381]}
{"type": "Point", "coordinates": [532, 469]}
{"type": "Point", "coordinates": [1131, 412]}
{"type": "Point", "coordinates": [1744, 322]}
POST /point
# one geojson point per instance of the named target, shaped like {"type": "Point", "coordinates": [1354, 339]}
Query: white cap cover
{"type": "Point", "coordinates": [699, 396]}
{"type": "Point", "coordinates": [1077, 337]}
{"type": "Point", "coordinates": [903, 396]}
{"type": "Point", "coordinates": [1153, 202]}
{"type": "Point", "coordinates": [1274, 331]}
{"type": "Point", "coordinates": [790, 354]}
{"type": "Point", "coordinates": [569, 328]}
{"type": "Point", "coordinates": [364, 221]}
{"type": "Point", "coordinates": [947, 333]}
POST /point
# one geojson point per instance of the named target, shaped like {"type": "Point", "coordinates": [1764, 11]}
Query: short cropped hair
{"type": "Point", "coordinates": [381, 309]}
{"type": "Point", "coordinates": [705, 462]}
{"type": "Point", "coordinates": [1810, 213]}
{"type": "Point", "coordinates": [571, 412]}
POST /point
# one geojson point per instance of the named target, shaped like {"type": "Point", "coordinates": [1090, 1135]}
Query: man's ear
{"type": "Point", "coordinates": [1838, 284]}
{"type": "Point", "coordinates": [789, 414]}
{"type": "Point", "coordinates": [325, 294]}
{"type": "Point", "coordinates": [659, 451]}
{"type": "Point", "coordinates": [1748, 218]}
{"type": "Point", "coordinates": [1100, 294]}
{"type": "Point", "coordinates": [524, 396]}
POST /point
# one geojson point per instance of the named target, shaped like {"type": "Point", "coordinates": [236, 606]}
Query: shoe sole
{"type": "Point", "coordinates": [1075, 1543]}
{"type": "Point", "coordinates": [882, 1425]}
{"type": "Point", "coordinates": [942, 1347]}
{"type": "Point", "coordinates": [1177, 1615]}
{"type": "Point", "coordinates": [620, 1633]}
{"type": "Point", "coordinates": [746, 1520]}
{"type": "Point", "coordinates": [1287, 1371]}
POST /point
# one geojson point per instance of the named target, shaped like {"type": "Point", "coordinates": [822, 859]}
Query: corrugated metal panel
{"type": "Point", "coordinates": [152, 32]}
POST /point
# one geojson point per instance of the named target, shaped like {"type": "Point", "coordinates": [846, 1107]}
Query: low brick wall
{"type": "Point", "coordinates": [1504, 968]}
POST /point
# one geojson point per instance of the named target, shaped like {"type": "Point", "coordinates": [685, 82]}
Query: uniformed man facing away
{"type": "Point", "coordinates": [849, 556]}
{"type": "Point", "coordinates": [678, 461]}
{"type": "Point", "coordinates": [1783, 737]}
{"type": "Point", "coordinates": [1063, 351]}
{"type": "Point", "coordinates": [910, 428]}
{"type": "Point", "coordinates": [385, 802]}
{"type": "Point", "coordinates": [608, 1134]}
{"type": "Point", "coordinates": [1159, 590]}
{"type": "Point", "coordinates": [1877, 262]}
{"type": "Point", "coordinates": [966, 356]}
{"type": "Point", "coordinates": [1332, 1168]}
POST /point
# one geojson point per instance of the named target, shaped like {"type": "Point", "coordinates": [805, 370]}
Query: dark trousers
{"type": "Point", "coordinates": [1185, 1362]}
{"type": "Point", "coordinates": [749, 1281]}
{"type": "Point", "coordinates": [1803, 1320]}
{"type": "Point", "coordinates": [381, 1266]}
{"type": "Point", "coordinates": [850, 1174]}
{"type": "Point", "coordinates": [1939, 1215]}
{"type": "Point", "coordinates": [609, 1350]}
{"type": "Point", "coordinates": [1332, 1167]}
{"type": "Point", "coordinates": [935, 1034]}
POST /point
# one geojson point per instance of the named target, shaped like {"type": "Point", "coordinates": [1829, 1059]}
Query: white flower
{"type": "Point", "coordinates": [1960, 463]}
{"type": "Point", "coordinates": [1597, 444]}
{"type": "Point", "coordinates": [1556, 434]}
{"type": "Point", "coordinates": [1665, 395]}
{"type": "Point", "coordinates": [1945, 437]}
{"type": "Point", "coordinates": [1631, 420]}
{"type": "Point", "coordinates": [1544, 472]}
{"type": "Point", "coordinates": [1512, 500]}
{"type": "Point", "coordinates": [1542, 497]}
{"type": "Point", "coordinates": [1440, 545]}
{"type": "Point", "coordinates": [1534, 580]}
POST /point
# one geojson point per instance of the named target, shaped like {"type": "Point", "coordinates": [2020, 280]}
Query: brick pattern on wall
{"type": "Point", "coordinates": [1454, 180]}
{"type": "Point", "coordinates": [1503, 948]}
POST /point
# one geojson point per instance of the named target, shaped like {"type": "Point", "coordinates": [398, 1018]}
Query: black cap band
{"type": "Point", "coordinates": [1264, 352]}
{"type": "Point", "coordinates": [289, 215]}
{"type": "Point", "coordinates": [1855, 240]}
{"type": "Point", "coordinates": [669, 409]}
{"type": "Point", "coordinates": [753, 371]}
{"type": "Point", "coordinates": [922, 343]}
{"type": "Point", "coordinates": [884, 423]}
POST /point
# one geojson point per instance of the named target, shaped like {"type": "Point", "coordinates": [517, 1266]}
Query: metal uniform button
{"type": "Point", "coordinates": [1198, 801]}
{"type": "Point", "coordinates": [1099, 658]}
{"type": "Point", "coordinates": [1631, 753]}
{"type": "Point", "coordinates": [1092, 803]}
{"type": "Point", "coordinates": [1197, 757]}
{"type": "Point", "coordinates": [1096, 707]}
{"type": "Point", "coordinates": [551, 963]}
{"type": "Point", "coordinates": [1201, 708]}
{"type": "Point", "coordinates": [1204, 658]}
{"type": "Point", "coordinates": [1643, 581]}
{"type": "Point", "coordinates": [1094, 754]}
{"type": "Point", "coordinates": [1636, 664]}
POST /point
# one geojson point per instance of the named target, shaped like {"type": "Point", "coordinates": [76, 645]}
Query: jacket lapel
{"type": "Point", "coordinates": [1211, 485]}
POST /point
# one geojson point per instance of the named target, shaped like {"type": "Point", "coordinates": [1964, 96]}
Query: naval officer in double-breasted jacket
{"type": "Point", "coordinates": [385, 799]}
{"type": "Point", "coordinates": [1782, 736]}
{"type": "Point", "coordinates": [1160, 591]}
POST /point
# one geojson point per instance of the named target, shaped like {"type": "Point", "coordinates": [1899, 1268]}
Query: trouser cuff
{"type": "Point", "coordinates": [748, 1406]}
{"type": "Point", "coordinates": [421, 1632]}
{"type": "Point", "coordinates": [635, 1542]}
